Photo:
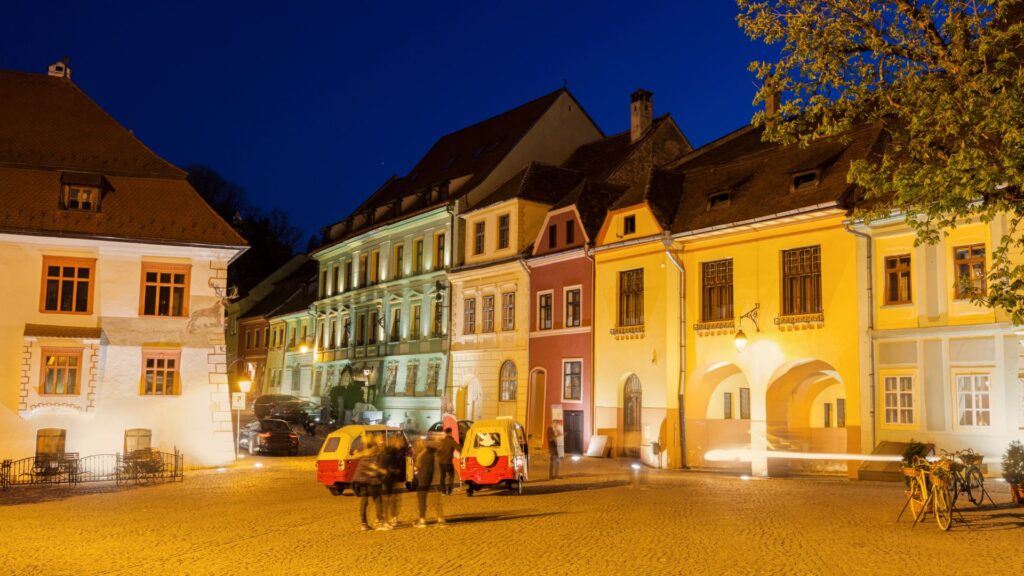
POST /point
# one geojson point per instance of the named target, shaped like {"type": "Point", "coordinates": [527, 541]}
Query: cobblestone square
{"type": "Point", "coordinates": [275, 519]}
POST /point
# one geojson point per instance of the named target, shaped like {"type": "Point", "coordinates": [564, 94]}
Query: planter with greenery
{"type": "Point", "coordinates": [1013, 470]}
{"type": "Point", "coordinates": [912, 450]}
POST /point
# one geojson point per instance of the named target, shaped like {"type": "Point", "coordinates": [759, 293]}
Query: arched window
{"type": "Point", "coordinates": [508, 381]}
{"type": "Point", "coordinates": [632, 397]}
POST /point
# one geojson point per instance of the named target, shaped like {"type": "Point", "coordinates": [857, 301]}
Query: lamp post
{"type": "Point", "coordinates": [244, 386]}
{"type": "Point", "coordinates": [740, 340]}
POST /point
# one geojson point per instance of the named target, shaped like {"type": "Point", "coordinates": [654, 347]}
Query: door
{"type": "Point", "coordinates": [535, 421]}
{"type": "Point", "coordinates": [573, 429]}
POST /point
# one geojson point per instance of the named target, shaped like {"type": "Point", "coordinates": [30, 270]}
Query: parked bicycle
{"type": "Point", "coordinates": [930, 490]}
{"type": "Point", "coordinates": [966, 476]}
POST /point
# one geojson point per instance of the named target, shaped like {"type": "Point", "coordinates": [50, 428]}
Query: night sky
{"type": "Point", "coordinates": [312, 108]}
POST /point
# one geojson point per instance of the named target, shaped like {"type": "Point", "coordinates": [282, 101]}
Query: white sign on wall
{"type": "Point", "coordinates": [556, 412]}
{"type": "Point", "coordinates": [238, 400]}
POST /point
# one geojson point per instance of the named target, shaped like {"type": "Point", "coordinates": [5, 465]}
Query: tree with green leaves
{"type": "Point", "coordinates": [944, 78]}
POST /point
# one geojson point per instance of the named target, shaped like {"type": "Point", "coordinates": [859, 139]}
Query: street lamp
{"type": "Point", "coordinates": [244, 386]}
{"type": "Point", "coordinates": [303, 348]}
{"type": "Point", "coordinates": [740, 340]}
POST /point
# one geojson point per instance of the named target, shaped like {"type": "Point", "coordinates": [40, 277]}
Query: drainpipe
{"type": "Point", "coordinates": [453, 210]}
{"type": "Point", "coordinates": [682, 346]}
{"type": "Point", "coordinates": [588, 253]}
{"type": "Point", "coordinates": [871, 329]}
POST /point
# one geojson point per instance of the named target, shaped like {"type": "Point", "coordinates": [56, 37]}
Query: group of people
{"type": "Point", "coordinates": [381, 476]}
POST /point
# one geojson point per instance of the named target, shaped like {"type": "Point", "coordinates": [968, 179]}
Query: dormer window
{"type": "Point", "coordinates": [629, 225]}
{"type": "Point", "coordinates": [804, 180]}
{"type": "Point", "coordinates": [81, 198]}
{"type": "Point", "coordinates": [721, 198]}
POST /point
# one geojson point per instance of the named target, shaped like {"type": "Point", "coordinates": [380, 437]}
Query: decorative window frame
{"type": "Point", "coordinates": [160, 353]}
{"type": "Point", "coordinates": [62, 261]}
{"type": "Point", "coordinates": [69, 351]}
{"type": "Point", "coordinates": [172, 268]}
{"type": "Point", "coordinates": [915, 398]}
{"type": "Point", "coordinates": [565, 399]}
{"type": "Point", "coordinates": [540, 295]}
{"type": "Point", "coordinates": [565, 305]}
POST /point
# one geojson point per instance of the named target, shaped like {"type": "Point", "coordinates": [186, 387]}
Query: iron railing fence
{"type": "Point", "coordinates": [139, 466]}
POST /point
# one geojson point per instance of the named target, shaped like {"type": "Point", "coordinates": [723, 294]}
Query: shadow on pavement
{"type": "Point", "coordinates": [484, 517]}
{"type": "Point", "coordinates": [557, 488]}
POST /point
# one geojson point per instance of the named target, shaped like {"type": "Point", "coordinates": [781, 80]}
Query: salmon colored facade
{"type": "Point", "coordinates": [561, 320]}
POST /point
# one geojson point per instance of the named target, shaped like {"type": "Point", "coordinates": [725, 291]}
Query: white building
{"type": "Point", "coordinates": [112, 271]}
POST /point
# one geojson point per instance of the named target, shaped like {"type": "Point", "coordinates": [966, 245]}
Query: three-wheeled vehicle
{"type": "Point", "coordinates": [342, 449]}
{"type": "Point", "coordinates": [494, 453]}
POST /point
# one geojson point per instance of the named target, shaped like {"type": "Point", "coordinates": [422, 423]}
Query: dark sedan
{"type": "Point", "coordinates": [268, 435]}
{"type": "Point", "coordinates": [264, 405]}
{"type": "Point", "coordinates": [296, 411]}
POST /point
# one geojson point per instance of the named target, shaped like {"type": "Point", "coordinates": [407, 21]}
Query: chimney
{"type": "Point", "coordinates": [60, 69]}
{"type": "Point", "coordinates": [771, 107]}
{"type": "Point", "coordinates": [641, 113]}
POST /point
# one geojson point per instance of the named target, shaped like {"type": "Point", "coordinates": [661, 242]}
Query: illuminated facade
{"type": "Point", "coordinates": [115, 274]}
{"type": "Point", "coordinates": [383, 312]}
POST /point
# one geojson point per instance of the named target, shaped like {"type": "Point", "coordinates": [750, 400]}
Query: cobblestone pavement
{"type": "Point", "coordinates": [277, 520]}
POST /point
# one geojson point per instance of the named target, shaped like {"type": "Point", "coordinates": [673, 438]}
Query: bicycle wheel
{"type": "Point", "coordinates": [917, 497]}
{"type": "Point", "coordinates": [975, 485]}
{"type": "Point", "coordinates": [942, 508]}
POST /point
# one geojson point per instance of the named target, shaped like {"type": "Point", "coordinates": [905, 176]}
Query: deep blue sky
{"type": "Point", "coordinates": [311, 107]}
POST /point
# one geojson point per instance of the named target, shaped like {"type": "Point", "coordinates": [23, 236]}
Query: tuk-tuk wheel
{"type": "Point", "coordinates": [519, 486]}
{"type": "Point", "coordinates": [470, 489]}
{"type": "Point", "coordinates": [335, 491]}
{"type": "Point", "coordinates": [357, 489]}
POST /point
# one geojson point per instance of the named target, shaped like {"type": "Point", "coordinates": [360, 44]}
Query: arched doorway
{"type": "Point", "coordinates": [806, 412]}
{"type": "Point", "coordinates": [719, 411]}
{"type": "Point", "coordinates": [632, 416]}
{"type": "Point", "coordinates": [536, 417]}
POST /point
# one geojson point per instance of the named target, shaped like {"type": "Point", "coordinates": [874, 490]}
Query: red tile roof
{"type": "Point", "coordinates": [49, 131]}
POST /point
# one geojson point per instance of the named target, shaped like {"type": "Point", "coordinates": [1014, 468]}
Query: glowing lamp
{"type": "Point", "coordinates": [303, 348]}
{"type": "Point", "coordinates": [244, 386]}
{"type": "Point", "coordinates": [740, 340]}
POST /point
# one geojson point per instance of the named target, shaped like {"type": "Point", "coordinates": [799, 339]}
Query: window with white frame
{"type": "Point", "coordinates": [572, 380]}
{"type": "Point", "coordinates": [507, 392]}
{"type": "Point", "coordinates": [899, 399]}
{"type": "Point", "coordinates": [488, 313]}
{"type": "Point", "coordinates": [544, 306]}
{"type": "Point", "coordinates": [973, 393]}
{"type": "Point", "coordinates": [573, 307]}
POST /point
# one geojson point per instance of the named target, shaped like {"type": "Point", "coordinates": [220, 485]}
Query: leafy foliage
{"type": "Point", "coordinates": [272, 238]}
{"type": "Point", "coordinates": [945, 80]}
{"type": "Point", "coordinates": [1013, 463]}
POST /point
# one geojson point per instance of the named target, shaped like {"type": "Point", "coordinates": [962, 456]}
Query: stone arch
{"type": "Point", "coordinates": [712, 432]}
{"type": "Point", "coordinates": [632, 415]}
{"type": "Point", "coordinates": [536, 416]}
{"type": "Point", "coordinates": [795, 392]}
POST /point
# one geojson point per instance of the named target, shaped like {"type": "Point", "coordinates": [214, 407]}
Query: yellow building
{"type": "Point", "coordinates": [757, 231]}
{"type": "Point", "coordinates": [491, 291]}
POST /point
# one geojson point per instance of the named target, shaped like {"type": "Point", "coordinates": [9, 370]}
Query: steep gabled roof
{"type": "Point", "coordinates": [48, 122]}
{"type": "Point", "coordinates": [598, 160]}
{"type": "Point", "coordinates": [538, 182]}
{"type": "Point", "coordinates": [592, 200]}
{"type": "Point", "coordinates": [757, 179]}
{"type": "Point", "coordinates": [51, 134]}
{"type": "Point", "coordinates": [290, 294]}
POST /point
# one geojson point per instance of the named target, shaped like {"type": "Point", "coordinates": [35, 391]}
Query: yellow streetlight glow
{"type": "Point", "coordinates": [244, 386]}
{"type": "Point", "coordinates": [740, 340]}
{"type": "Point", "coordinates": [303, 348]}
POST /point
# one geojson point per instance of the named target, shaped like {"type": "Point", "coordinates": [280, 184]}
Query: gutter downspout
{"type": "Point", "coordinates": [682, 347]}
{"type": "Point", "coordinates": [871, 329]}
{"type": "Point", "coordinates": [449, 401]}
{"type": "Point", "coordinates": [588, 253]}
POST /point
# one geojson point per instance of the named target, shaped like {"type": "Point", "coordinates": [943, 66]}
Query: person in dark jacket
{"type": "Point", "coordinates": [369, 475]}
{"type": "Point", "coordinates": [445, 455]}
{"type": "Point", "coordinates": [394, 464]}
{"type": "Point", "coordinates": [425, 461]}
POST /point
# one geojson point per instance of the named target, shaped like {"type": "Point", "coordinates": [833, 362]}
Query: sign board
{"type": "Point", "coordinates": [556, 412]}
{"type": "Point", "coordinates": [238, 400]}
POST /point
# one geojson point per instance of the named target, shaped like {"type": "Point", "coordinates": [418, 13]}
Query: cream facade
{"type": "Point", "coordinates": [107, 394]}
{"type": "Point", "coordinates": [946, 371]}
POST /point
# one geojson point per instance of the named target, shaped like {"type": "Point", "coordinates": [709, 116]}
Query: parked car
{"type": "Point", "coordinates": [269, 435]}
{"type": "Point", "coordinates": [494, 454]}
{"type": "Point", "coordinates": [263, 405]}
{"type": "Point", "coordinates": [341, 451]}
{"type": "Point", "coordinates": [437, 430]}
{"type": "Point", "coordinates": [296, 411]}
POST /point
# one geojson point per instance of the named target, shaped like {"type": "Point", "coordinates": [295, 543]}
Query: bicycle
{"type": "Point", "coordinates": [966, 476]}
{"type": "Point", "coordinates": [930, 487]}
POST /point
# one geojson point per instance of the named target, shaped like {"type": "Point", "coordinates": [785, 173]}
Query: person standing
{"type": "Point", "coordinates": [394, 477]}
{"type": "Point", "coordinates": [424, 477]}
{"type": "Point", "coordinates": [368, 476]}
{"type": "Point", "coordinates": [556, 448]}
{"type": "Point", "coordinates": [445, 458]}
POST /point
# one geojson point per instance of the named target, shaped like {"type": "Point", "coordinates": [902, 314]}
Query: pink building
{"type": "Point", "coordinates": [561, 302]}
